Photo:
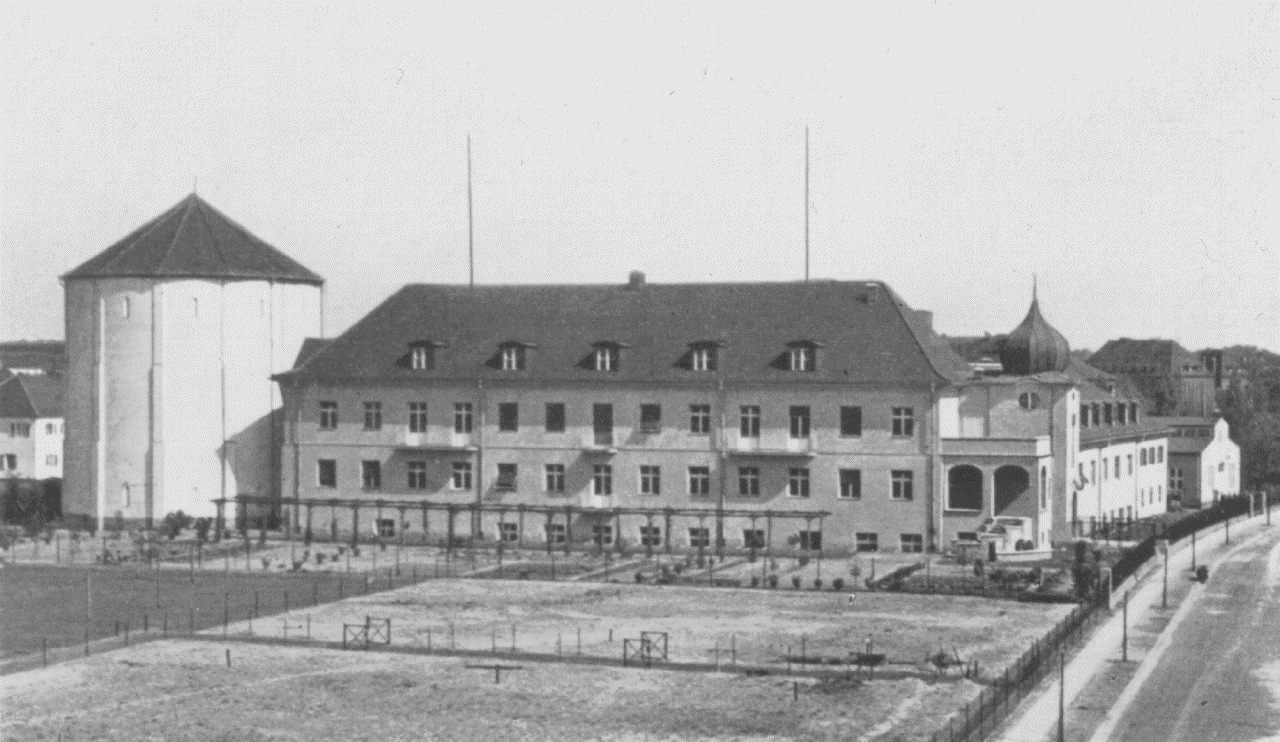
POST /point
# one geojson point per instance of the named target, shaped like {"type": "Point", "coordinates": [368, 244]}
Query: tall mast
{"type": "Point", "coordinates": [471, 245]}
{"type": "Point", "coordinates": [806, 204]}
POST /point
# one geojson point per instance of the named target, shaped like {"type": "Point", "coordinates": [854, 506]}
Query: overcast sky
{"type": "Point", "coordinates": [1128, 155]}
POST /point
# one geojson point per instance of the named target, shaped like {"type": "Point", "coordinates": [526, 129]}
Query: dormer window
{"type": "Point", "coordinates": [704, 355]}
{"type": "Point", "coordinates": [802, 355]}
{"type": "Point", "coordinates": [422, 354]}
{"type": "Point", "coordinates": [512, 358]}
{"type": "Point", "coordinates": [607, 358]}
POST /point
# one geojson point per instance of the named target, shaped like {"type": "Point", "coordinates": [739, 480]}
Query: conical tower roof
{"type": "Point", "coordinates": [194, 240]}
{"type": "Point", "coordinates": [1034, 346]}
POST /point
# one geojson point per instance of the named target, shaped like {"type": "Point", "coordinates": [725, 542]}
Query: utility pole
{"type": "Point", "coordinates": [471, 249]}
{"type": "Point", "coordinates": [1124, 639]}
{"type": "Point", "coordinates": [1062, 697]}
{"type": "Point", "coordinates": [806, 204]}
{"type": "Point", "coordinates": [1164, 587]}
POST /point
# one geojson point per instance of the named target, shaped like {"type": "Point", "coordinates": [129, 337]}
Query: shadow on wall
{"type": "Point", "coordinates": [250, 456]}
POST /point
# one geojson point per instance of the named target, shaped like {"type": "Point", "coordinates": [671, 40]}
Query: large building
{"type": "Point", "coordinates": [1204, 464]}
{"type": "Point", "coordinates": [828, 406]}
{"type": "Point", "coordinates": [172, 335]}
{"type": "Point", "coordinates": [31, 426]}
{"type": "Point", "coordinates": [1173, 380]}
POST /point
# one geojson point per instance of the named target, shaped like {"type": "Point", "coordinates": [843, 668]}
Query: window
{"type": "Point", "coordinates": [801, 358]}
{"type": "Point", "coordinates": [327, 473]}
{"type": "Point", "coordinates": [555, 477]}
{"type": "Point", "coordinates": [810, 540]}
{"type": "Point", "coordinates": [555, 417]}
{"type": "Point", "coordinates": [867, 542]}
{"type": "Point", "coordinates": [20, 430]}
{"type": "Point", "coordinates": [703, 359]}
{"type": "Point", "coordinates": [1096, 415]}
{"type": "Point", "coordinates": [509, 532]}
{"type": "Point", "coordinates": [749, 421]}
{"type": "Point", "coordinates": [602, 424]}
{"type": "Point", "coordinates": [371, 475]}
{"type": "Point", "coordinates": [386, 527]}
{"type": "Point", "coordinates": [462, 418]}
{"type": "Point", "coordinates": [1044, 488]}
{"type": "Point", "coordinates": [506, 477]}
{"type": "Point", "coordinates": [1117, 467]}
{"type": "Point", "coordinates": [1107, 419]}
{"type": "Point", "coordinates": [798, 483]}
{"type": "Point", "coordinates": [48, 428]}
{"type": "Point", "coordinates": [650, 418]}
{"type": "Point", "coordinates": [461, 479]}
{"type": "Point", "coordinates": [125, 495]}
{"type": "Point", "coordinates": [1142, 457]}
{"type": "Point", "coordinates": [602, 535]}
{"type": "Point", "coordinates": [373, 416]}
{"type": "Point", "coordinates": [753, 538]}
{"type": "Point", "coordinates": [1093, 471]}
{"type": "Point", "coordinates": [902, 484]}
{"type": "Point", "coordinates": [555, 533]}
{"type": "Point", "coordinates": [1028, 400]}
{"type": "Point", "coordinates": [650, 536]}
{"type": "Point", "coordinates": [417, 475]}
{"type": "Point", "coordinates": [51, 459]}
{"type": "Point", "coordinates": [420, 358]}
{"type": "Point", "coordinates": [699, 480]}
{"type": "Point", "coordinates": [851, 484]}
{"type": "Point", "coordinates": [1084, 415]}
{"type": "Point", "coordinates": [1129, 460]}
{"type": "Point", "coordinates": [602, 480]}
{"type": "Point", "coordinates": [1133, 412]}
{"type": "Point", "coordinates": [508, 417]}
{"type": "Point", "coordinates": [328, 415]}
{"type": "Point", "coordinates": [748, 481]}
{"type": "Point", "coordinates": [650, 480]}
{"type": "Point", "coordinates": [966, 535]}
{"type": "Point", "coordinates": [417, 417]}
{"type": "Point", "coordinates": [700, 419]}
{"type": "Point", "coordinates": [699, 538]}
{"type": "Point", "coordinates": [850, 422]}
{"type": "Point", "coordinates": [1159, 454]}
{"type": "Point", "coordinates": [124, 307]}
{"type": "Point", "coordinates": [800, 422]}
{"type": "Point", "coordinates": [904, 422]}
{"type": "Point", "coordinates": [606, 358]}
{"type": "Point", "coordinates": [1221, 466]}
{"type": "Point", "coordinates": [512, 358]}
{"type": "Point", "coordinates": [912, 543]}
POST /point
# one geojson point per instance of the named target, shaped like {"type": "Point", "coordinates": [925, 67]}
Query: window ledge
{"type": "Point", "coordinates": [960, 511]}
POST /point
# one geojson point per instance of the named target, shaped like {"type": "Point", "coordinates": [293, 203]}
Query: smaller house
{"type": "Point", "coordinates": [31, 426]}
{"type": "Point", "coordinates": [1204, 463]}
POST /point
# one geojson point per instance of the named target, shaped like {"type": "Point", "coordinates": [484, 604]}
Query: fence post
{"type": "Point", "coordinates": [44, 651]}
{"type": "Point", "coordinates": [1062, 697]}
{"type": "Point", "coordinates": [86, 640]}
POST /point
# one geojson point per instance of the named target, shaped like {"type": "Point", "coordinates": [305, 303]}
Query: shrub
{"type": "Point", "coordinates": [202, 528]}
{"type": "Point", "coordinates": [795, 581]}
{"type": "Point", "coordinates": [803, 561]}
{"type": "Point", "coordinates": [266, 563]}
{"type": "Point", "coordinates": [817, 583]}
{"type": "Point", "coordinates": [639, 577]}
{"type": "Point", "coordinates": [977, 567]}
{"type": "Point", "coordinates": [773, 580]}
{"type": "Point", "coordinates": [837, 583]}
{"type": "Point", "coordinates": [755, 580]}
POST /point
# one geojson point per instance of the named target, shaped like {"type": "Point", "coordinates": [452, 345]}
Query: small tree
{"type": "Point", "coordinates": [202, 528]}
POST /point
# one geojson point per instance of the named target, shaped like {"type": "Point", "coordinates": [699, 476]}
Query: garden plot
{"type": "Point", "coordinates": [748, 626]}
{"type": "Point", "coordinates": [184, 690]}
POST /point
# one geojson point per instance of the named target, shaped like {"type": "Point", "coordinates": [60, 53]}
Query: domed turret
{"type": "Point", "coordinates": [1034, 346]}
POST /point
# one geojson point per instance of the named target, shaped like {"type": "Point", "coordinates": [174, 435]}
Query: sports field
{"type": "Point", "coordinates": [183, 689]}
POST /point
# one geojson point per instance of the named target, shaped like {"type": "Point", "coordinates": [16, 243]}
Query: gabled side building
{"type": "Point", "coordinates": [31, 426]}
{"type": "Point", "coordinates": [1204, 463]}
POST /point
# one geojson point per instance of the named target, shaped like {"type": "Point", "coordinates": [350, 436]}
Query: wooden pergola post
{"type": "Point", "coordinates": [617, 531]}
{"type": "Point", "coordinates": [752, 548]}
{"type": "Point", "coordinates": [665, 537]}
{"type": "Point", "coordinates": [448, 548]}
{"type": "Point", "coordinates": [702, 532]}
{"type": "Point", "coordinates": [820, 546]}
{"type": "Point", "coordinates": [220, 522]}
{"type": "Point", "coordinates": [568, 529]}
{"type": "Point", "coordinates": [355, 523]}
{"type": "Point", "coordinates": [550, 517]}
{"type": "Point", "coordinates": [307, 535]}
{"type": "Point", "coordinates": [426, 532]}
{"type": "Point", "coordinates": [648, 539]}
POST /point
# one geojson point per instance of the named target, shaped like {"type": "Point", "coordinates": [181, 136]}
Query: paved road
{"type": "Point", "coordinates": [1220, 678]}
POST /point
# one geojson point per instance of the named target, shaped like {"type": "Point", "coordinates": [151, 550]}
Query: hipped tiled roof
{"type": "Point", "coordinates": [49, 355]}
{"type": "Point", "coordinates": [194, 240]}
{"type": "Point", "coordinates": [31, 396]}
{"type": "Point", "coordinates": [866, 333]}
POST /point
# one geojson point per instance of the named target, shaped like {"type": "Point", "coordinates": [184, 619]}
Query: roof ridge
{"type": "Point", "coordinates": [140, 233]}
{"type": "Point", "coordinates": [213, 238]}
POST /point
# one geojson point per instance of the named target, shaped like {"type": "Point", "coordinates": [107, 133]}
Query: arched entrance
{"type": "Point", "coordinates": [1011, 483]}
{"type": "Point", "coordinates": [964, 488]}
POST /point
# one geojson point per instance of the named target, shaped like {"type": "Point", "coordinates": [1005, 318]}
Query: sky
{"type": "Point", "coordinates": [1126, 154]}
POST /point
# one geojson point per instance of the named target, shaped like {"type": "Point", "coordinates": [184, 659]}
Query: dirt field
{"type": "Point", "coordinates": [183, 689]}
{"type": "Point", "coordinates": [177, 690]}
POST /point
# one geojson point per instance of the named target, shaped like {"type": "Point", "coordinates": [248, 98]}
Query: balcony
{"type": "Point", "coordinates": [600, 442]}
{"type": "Point", "coordinates": [772, 444]}
{"type": "Point", "coordinates": [997, 447]}
{"type": "Point", "coordinates": [434, 440]}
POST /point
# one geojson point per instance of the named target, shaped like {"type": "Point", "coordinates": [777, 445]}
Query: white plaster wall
{"type": "Point", "coordinates": [1219, 466]}
{"type": "Point", "coordinates": [949, 415]}
{"type": "Point", "coordinates": [47, 436]}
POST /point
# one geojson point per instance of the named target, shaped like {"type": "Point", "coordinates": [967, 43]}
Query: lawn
{"type": "Point", "coordinates": [49, 603]}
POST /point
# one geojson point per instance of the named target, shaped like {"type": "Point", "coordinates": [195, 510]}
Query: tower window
{"type": "Point", "coordinates": [1029, 400]}
{"type": "Point", "coordinates": [124, 307]}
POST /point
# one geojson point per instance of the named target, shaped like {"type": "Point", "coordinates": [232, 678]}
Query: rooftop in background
{"type": "Point", "coordinates": [31, 397]}
{"type": "Point", "coordinates": [1155, 356]}
{"type": "Point", "coordinates": [33, 356]}
{"type": "Point", "coordinates": [194, 240]}
{"type": "Point", "coordinates": [1189, 421]}
{"type": "Point", "coordinates": [862, 331]}
{"type": "Point", "coordinates": [1143, 430]}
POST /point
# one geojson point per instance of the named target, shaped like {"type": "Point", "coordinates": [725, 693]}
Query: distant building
{"type": "Point", "coordinates": [1204, 464]}
{"type": "Point", "coordinates": [1173, 380]}
{"type": "Point", "coordinates": [31, 426]}
{"type": "Point", "coordinates": [172, 335]}
{"type": "Point", "coordinates": [32, 357]}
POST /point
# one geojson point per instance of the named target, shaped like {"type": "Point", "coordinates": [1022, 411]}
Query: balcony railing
{"type": "Point", "coordinates": [435, 440]}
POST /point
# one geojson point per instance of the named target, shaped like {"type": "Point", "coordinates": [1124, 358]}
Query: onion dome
{"type": "Point", "coordinates": [1034, 346]}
